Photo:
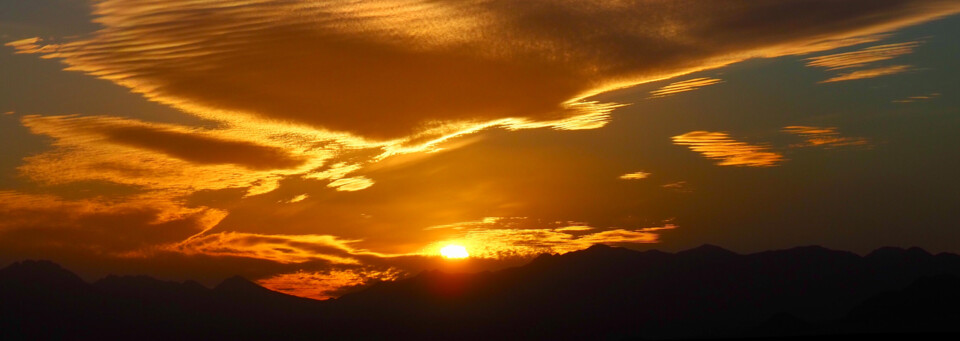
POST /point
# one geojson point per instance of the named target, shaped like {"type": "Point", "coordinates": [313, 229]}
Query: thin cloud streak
{"type": "Point", "coordinates": [824, 137]}
{"type": "Point", "coordinates": [635, 176]}
{"type": "Point", "coordinates": [863, 57]}
{"type": "Point", "coordinates": [920, 98]}
{"type": "Point", "coordinates": [720, 146]}
{"type": "Point", "coordinates": [869, 73]}
{"type": "Point", "coordinates": [504, 238]}
{"type": "Point", "coordinates": [683, 86]}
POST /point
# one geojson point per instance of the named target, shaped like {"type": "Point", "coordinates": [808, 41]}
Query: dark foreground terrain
{"type": "Point", "coordinates": [599, 293]}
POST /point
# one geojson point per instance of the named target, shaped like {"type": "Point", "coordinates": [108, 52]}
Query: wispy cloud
{"type": "Point", "coordinates": [102, 226]}
{"type": "Point", "coordinates": [351, 184]}
{"type": "Point", "coordinates": [277, 248]}
{"type": "Point", "coordinates": [863, 57]}
{"type": "Point", "coordinates": [920, 98]}
{"type": "Point", "coordinates": [684, 86]}
{"type": "Point", "coordinates": [168, 159]}
{"type": "Point", "coordinates": [508, 238]}
{"type": "Point", "coordinates": [679, 186]}
{"type": "Point", "coordinates": [635, 176]}
{"type": "Point", "coordinates": [869, 73]}
{"type": "Point", "coordinates": [386, 70]}
{"type": "Point", "coordinates": [327, 284]}
{"type": "Point", "coordinates": [824, 137]}
{"type": "Point", "coordinates": [720, 146]}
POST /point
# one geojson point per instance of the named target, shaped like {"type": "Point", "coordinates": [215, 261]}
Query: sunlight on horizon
{"type": "Point", "coordinates": [454, 252]}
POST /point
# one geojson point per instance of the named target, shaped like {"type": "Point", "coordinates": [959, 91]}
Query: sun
{"type": "Point", "coordinates": [454, 252]}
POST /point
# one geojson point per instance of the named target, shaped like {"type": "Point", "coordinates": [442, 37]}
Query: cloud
{"type": "Point", "coordinates": [824, 137]}
{"type": "Point", "coordinates": [167, 158]}
{"type": "Point", "coordinates": [277, 248]}
{"type": "Point", "coordinates": [869, 73]}
{"type": "Point", "coordinates": [391, 69]}
{"type": "Point", "coordinates": [203, 149]}
{"type": "Point", "coordinates": [321, 285]}
{"type": "Point", "coordinates": [679, 187]}
{"type": "Point", "coordinates": [912, 99]}
{"type": "Point", "coordinates": [729, 152]}
{"type": "Point", "coordinates": [351, 184]}
{"type": "Point", "coordinates": [122, 227]}
{"type": "Point", "coordinates": [503, 238]}
{"type": "Point", "coordinates": [635, 176]}
{"type": "Point", "coordinates": [863, 57]}
{"type": "Point", "coordinates": [684, 86]}
{"type": "Point", "coordinates": [298, 198]}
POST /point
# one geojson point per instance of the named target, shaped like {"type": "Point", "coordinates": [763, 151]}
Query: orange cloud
{"type": "Point", "coordinates": [863, 57]}
{"type": "Point", "coordinates": [321, 285]}
{"type": "Point", "coordinates": [684, 86]}
{"type": "Point", "coordinates": [129, 225]}
{"type": "Point", "coordinates": [635, 176]}
{"type": "Point", "coordinates": [729, 152]}
{"type": "Point", "coordinates": [825, 137]}
{"type": "Point", "coordinates": [351, 184]}
{"type": "Point", "coordinates": [172, 159]}
{"type": "Point", "coordinates": [277, 248]}
{"type": "Point", "coordinates": [387, 70]}
{"type": "Point", "coordinates": [869, 73]}
{"type": "Point", "coordinates": [502, 238]}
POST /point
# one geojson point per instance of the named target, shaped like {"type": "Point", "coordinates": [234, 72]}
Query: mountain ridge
{"type": "Point", "coordinates": [600, 291]}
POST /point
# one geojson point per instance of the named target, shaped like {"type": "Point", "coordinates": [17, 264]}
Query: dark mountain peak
{"type": "Point", "coordinates": [193, 285]}
{"type": "Point", "coordinates": [238, 284]}
{"type": "Point", "coordinates": [896, 254]}
{"type": "Point", "coordinates": [603, 250]}
{"type": "Point", "coordinates": [599, 247]}
{"type": "Point", "coordinates": [916, 251]}
{"type": "Point", "coordinates": [542, 258]}
{"type": "Point", "coordinates": [39, 272]}
{"type": "Point", "coordinates": [146, 285]}
{"type": "Point", "coordinates": [708, 251]}
{"type": "Point", "coordinates": [597, 255]}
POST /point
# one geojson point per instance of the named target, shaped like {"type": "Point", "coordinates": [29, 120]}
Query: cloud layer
{"type": "Point", "coordinates": [389, 69]}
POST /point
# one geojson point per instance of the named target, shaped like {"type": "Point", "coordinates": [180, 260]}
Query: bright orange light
{"type": "Point", "coordinates": [454, 252]}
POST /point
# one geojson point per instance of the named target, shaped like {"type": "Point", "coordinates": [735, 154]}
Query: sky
{"type": "Point", "coordinates": [320, 146]}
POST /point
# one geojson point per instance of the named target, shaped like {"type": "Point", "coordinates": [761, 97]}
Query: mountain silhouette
{"type": "Point", "coordinates": [600, 292]}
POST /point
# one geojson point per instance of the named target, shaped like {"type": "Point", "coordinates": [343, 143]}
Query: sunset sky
{"type": "Point", "coordinates": [315, 146]}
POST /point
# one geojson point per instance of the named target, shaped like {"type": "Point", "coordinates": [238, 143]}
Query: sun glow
{"type": "Point", "coordinates": [454, 252]}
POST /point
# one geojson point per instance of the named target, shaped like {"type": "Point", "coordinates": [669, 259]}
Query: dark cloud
{"type": "Point", "coordinates": [203, 149]}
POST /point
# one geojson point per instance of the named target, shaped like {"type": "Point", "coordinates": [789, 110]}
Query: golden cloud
{"type": "Point", "coordinates": [869, 73]}
{"type": "Point", "coordinates": [863, 57]}
{"type": "Point", "coordinates": [720, 146]}
{"type": "Point", "coordinates": [825, 137]}
{"type": "Point", "coordinates": [635, 176]}
{"type": "Point", "coordinates": [161, 157]}
{"type": "Point", "coordinates": [321, 285]}
{"type": "Point", "coordinates": [503, 238]}
{"type": "Point", "coordinates": [390, 69]}
{"type": "Point", "coordinates": [277, 248]}
{"type": "Point", "coordinates": [684, 86]}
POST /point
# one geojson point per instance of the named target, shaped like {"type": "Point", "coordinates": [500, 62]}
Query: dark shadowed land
{"type": "Point", "coordinates": [599, 293]}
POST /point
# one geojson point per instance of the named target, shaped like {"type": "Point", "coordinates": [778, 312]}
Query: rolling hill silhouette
{"type": "Point", "coordinates": [600, 292]}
